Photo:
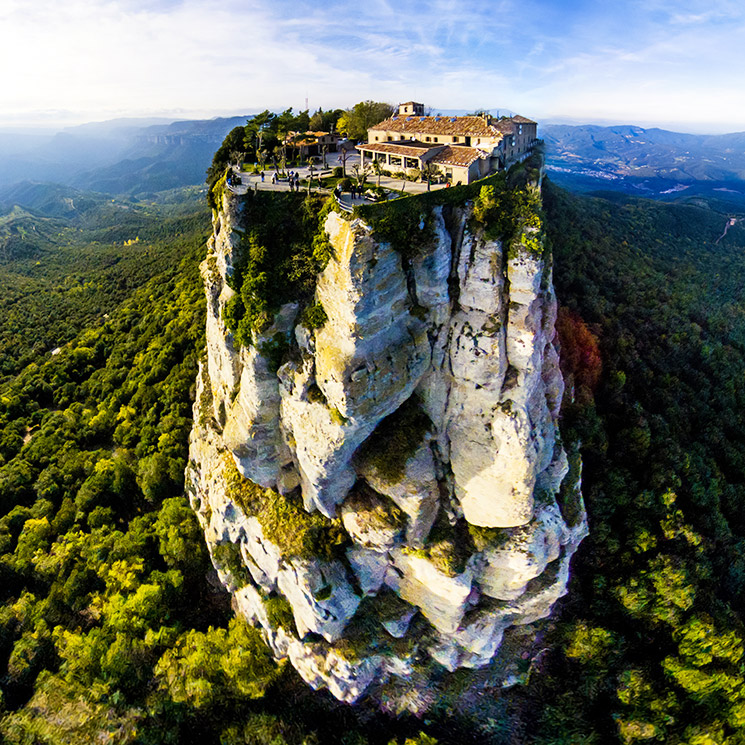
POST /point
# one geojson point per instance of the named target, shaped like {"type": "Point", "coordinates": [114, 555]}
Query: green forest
{"type": "Point", "coordinates": [113, 627]}
{"type": "Point", "coordinates": [62, 268]}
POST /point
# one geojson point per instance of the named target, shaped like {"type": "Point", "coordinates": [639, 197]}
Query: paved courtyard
{"type": "Point", "coordinates": [253, 181]}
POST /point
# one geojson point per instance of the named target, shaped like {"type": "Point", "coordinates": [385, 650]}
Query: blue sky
{"type": "Point", "coordinates": [651, 62]}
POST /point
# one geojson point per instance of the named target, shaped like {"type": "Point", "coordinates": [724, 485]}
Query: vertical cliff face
{"type": "Point", "coordinates": [392, 501]}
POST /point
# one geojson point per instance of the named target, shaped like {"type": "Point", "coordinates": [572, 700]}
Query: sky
{"type": "Point", "coordinates": [679, 64]}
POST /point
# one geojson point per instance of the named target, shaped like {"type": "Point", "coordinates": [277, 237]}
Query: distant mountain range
{"type": "Point", "coordinates": [647, 162]}
{"type": "Point", "coordinates": [117, 157]}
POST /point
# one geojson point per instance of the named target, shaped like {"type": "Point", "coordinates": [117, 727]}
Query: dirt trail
{"type": "Point", "coordinates": [730, 222]}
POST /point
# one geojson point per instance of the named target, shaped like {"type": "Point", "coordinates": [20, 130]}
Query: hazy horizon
{"type": "Point", "coordinates": [143, 121]}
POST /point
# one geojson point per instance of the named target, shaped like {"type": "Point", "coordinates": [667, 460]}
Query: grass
{"type": "Point", "coordinates": [283, 520]}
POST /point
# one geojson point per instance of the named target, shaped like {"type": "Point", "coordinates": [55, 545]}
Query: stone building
{"type": "Point", "coordinates": [460, 148]}
{"type": "Point", "coordinates": [312, 143]}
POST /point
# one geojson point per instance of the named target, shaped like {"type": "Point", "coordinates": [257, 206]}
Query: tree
{"type": "Point", "coordinates": [355, 122]}
{"type": "Point", "coordinates": [429, 171]}
{"type": "Point", "coordinates": [361, 173]}
{"type": "Point", "coordinates": [377, 170]}
{"type": "Point", "coordinates": [258, 130]}
{"type": "Point", "coordinates": [325, 121]}
{"type": "Point", "coordinates": [344, 153]}
{"type": "Point", "coordinates": [233, 145]}
{"type": "Point", "coordinates": [206, 668]}
{"type": "Point", "coordinates": [302, 122]}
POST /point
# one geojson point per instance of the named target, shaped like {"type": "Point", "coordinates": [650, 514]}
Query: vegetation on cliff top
{"type": "Point", "coordinates": [504, 204]}
{"type": "Point", "coordinates": [266, 137]}
{"type": "Point", "coordinates": [282, 251]}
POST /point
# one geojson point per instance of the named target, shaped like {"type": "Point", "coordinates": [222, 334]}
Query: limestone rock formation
{"type": "Point", "coordinates": [394, 500]}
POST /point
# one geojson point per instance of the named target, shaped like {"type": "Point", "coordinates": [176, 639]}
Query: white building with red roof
{"type": "Point", "coordinates": [460, 148]}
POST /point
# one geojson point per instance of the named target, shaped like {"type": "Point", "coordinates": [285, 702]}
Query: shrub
{"type": "Point", "coordinates": [315, 395]}
{"type": "Point", "coordinates": [279, 259]}
{"type": "Point", "coordinates": [337, 417]}
{"type": "Point", "coordinates": [338, 172]}
{"type": "Point", "coordinates": [314, 316]}
{"type": "Point", "coordinates": [485, 537]}
{"type": "Point", "coordinates": [279, 612]}
{"type": "Point", "coordinates": [228, 557]}
{"type": "Point", "coordinates": [274, 350]}
{"type": "Point", "coordinates": [395, 440]}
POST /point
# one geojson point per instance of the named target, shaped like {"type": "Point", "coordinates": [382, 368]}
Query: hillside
{"type": "Point", "coordinates": [118, 156]}
{"type": "Point", "coordinates": [652, 634]}
{"type": "Point", "coordinates": [67, 258]}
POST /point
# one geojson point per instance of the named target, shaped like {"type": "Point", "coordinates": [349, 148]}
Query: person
{"type": "Point", "coordinates": [261, 173]}
{"type": "Point", "coordinates": [274, 178]}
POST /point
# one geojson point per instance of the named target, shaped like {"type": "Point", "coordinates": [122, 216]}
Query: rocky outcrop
{"type": "Point", "coordinates": [417, 432]}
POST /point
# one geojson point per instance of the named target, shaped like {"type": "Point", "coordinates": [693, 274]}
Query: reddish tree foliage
{"type": "Point", "coordinates": [581, 363]}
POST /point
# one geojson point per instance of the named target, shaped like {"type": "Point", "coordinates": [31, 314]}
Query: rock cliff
{"type": "Point", "coordinates": [387, 495]}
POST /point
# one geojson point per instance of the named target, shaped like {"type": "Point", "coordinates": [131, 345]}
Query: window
{"type": "Point", "coordinates": [390, 138]}
{"type": "Point", "coordinates": [427, 139]}
{"type": "Point", "coordinates": [376, 138]}
{"type": "Point", "coordinates": [455, 139]}
{"type": "Point", "coordinates": [436, 139]}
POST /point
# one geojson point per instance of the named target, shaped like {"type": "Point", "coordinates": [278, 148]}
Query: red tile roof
{"type": "Point", "coordinates": [407, 148]}
{"type": "Point", "coordinates": [455, 155]}
{"type": "Point", "coordinates": [467, 126]}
